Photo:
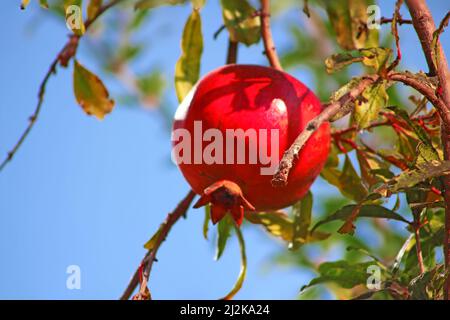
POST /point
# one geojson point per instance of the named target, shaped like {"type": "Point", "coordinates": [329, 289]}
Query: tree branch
{"type": "Point", "coordinates": [343, 105]}
{"type": "Point", "coordinates": [62, 58]}
{"type": "Point", "coordinates": [150, 256]}
{"type": "Point", "coordinates": [424, 25]}
{"type": "Point", "coordinates": [266, 33]}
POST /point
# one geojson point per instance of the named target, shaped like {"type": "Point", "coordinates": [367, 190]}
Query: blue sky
{"type": "Point", "coordinates": [90, 193]}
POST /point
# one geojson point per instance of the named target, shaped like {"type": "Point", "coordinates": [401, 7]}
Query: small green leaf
{"type": "Point", "coordinates": [302, 212]}
{"type": "Point", "coordinates": [206, 221]}
{"type": "Point", "coordinates": [223, 233]}
{"type": "Point", "coordinates": [410, 178]}
{"type": "Point", "coordinates": [345, 274]}
{"type": "Point", "coordinates": [150, 244]}
{"type": "Point", "coordinates": [241, 21]}
{"type": "Point", "coordinates": [350, 183]}
{"type": "Point", "coordinates": [366, 211]}
{"type": "Point", "coordinates": [43, 4]}
{"type": "Point", "coordinates": [240, 280]}
{"type": "Point", "coordinates": [348, 18]}
{"type": "Point", "coordinates": [187, 69]}
{"type": "Point", "coordinates": [90, 92]}
{"type": "Point", "coordinates": [278, 224]}
{"type": "Point", "coordinates": [375, 58]}
{"type": "Point", "coordinates": [369, 104]}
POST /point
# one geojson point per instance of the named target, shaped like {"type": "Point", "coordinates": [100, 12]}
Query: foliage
{"type": "Point", "coordinates": [386, 160]}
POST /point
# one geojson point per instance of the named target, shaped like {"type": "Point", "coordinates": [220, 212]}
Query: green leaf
{"type": "Point", "coordinates": [43, 4]}
{"type": "Point", "coordinates": [90, 92]}
{"type": "Point", "coordinates": [425, 150]}
{"type": "Point", "coordinates": [350, 183]}
{"type": "Point", "coordinates": [278, 224]}
{"type": "Point", "coordinates": [150, 244]}
{"type": "Point", "coordinates": [241, 21]}
{"type": "Point", "coordinates": [354, 82]}
{"type": "Point", "coordinates": [223, 233]}
{"type": "Point", "coordinates": [375, 58]}
{"type": "Point", "coordinates": [150, 4]}
{"type": "Point", "coordinates": [240, 280]}
{"type": "Point", "coordinates": [151, 85]}
{"type": "Point", "coordinates": [409, 178]}
{"type": "Point", "coordinates": [206, 221]}
{"type": "Point", "coordinates": [426, 285]}
{"type": "Point", "coordinates": [369, 104]}
{"type": "Point", "coordinates": [93, 8]}
{"type": "Point", "coordinates": [339, 61]}
{"type": "Point", "coordinates": [348, 18]}
{"type": "Point", "coordinates": [344, 273]}
{"type": "Point", "coordinates": [367, 211]}
{"type": "Point", "coordinates": [302, 212]}
{"type": "Point", "coordinates": [187, 69]}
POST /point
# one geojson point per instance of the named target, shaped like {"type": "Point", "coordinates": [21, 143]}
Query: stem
{"type": "Point", "coordinates": [424, 25]}
{"type": "Point", "coordinates": [266, 33]}
{"type": "Point", "coordinates": [150, 256]}
{"type": "Point", "coordinates": [232, 52]}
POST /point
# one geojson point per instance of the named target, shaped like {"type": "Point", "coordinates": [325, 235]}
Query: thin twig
{"type": "Point", "coordinates": [266, 34]}
{"type": "Point", "coordinates": [400, 21]}
{"type": "Point", "coordinates": [63, 57]}
{"type": "Point", "coordinates": [150, 256]}
{"type": "Point", "coordinates": [341, 105]}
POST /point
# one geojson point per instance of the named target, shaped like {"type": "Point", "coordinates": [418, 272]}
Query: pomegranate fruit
{"type": "Point", "coordinates": [231, 131]}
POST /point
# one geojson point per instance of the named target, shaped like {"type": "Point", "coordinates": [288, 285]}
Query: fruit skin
{"type": "Point", "coordinates": [245, 96]}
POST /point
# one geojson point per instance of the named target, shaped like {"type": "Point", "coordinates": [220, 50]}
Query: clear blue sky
{"type": "Point", "coordinates": [90, 193]}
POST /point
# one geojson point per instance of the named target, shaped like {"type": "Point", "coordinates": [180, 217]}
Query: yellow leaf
{"type": "Point", "coordinates": [24, 4]}
{"type": "Point", "coordinates": [90, 92]}
{"type": "Point", "coordinates": [187, 69]}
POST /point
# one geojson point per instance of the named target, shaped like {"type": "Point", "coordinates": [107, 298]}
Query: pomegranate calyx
{"type": "Point", "coordinates": [225, 196]}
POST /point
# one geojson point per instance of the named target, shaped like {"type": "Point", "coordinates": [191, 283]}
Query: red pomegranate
{"type": "Point", "coordinates": [231, 112]}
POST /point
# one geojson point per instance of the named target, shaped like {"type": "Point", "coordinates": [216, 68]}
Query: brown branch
{"type": "Point", "coordinates": [62, 58]}
{"type": "Point", "coordinates": [400, 21]}
{"type": "Point", "coordinates": [421, 87]}
{"type": "Point", "coordinates": [150, 256]}
{"type": "Point", "coordinates": [266, 34]}
{"type": "Point", "coordinates": [232, 52]}
{"type": "Point", "coordinates": [342, 105]}
{"type": "Point", "coordinates": [425, 28]}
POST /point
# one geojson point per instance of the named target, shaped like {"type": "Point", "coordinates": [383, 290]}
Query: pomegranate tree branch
{"type": "Point", "coordinates": [342, 105]}
{"type": "Point", "coordinates": [266, 34]}
{"type": "Point", "coordinates": [62, 58]}
{"type": "Point", "coordinates": [424, 25]}
{"type": "Point", "coordinates": [150, 256]}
